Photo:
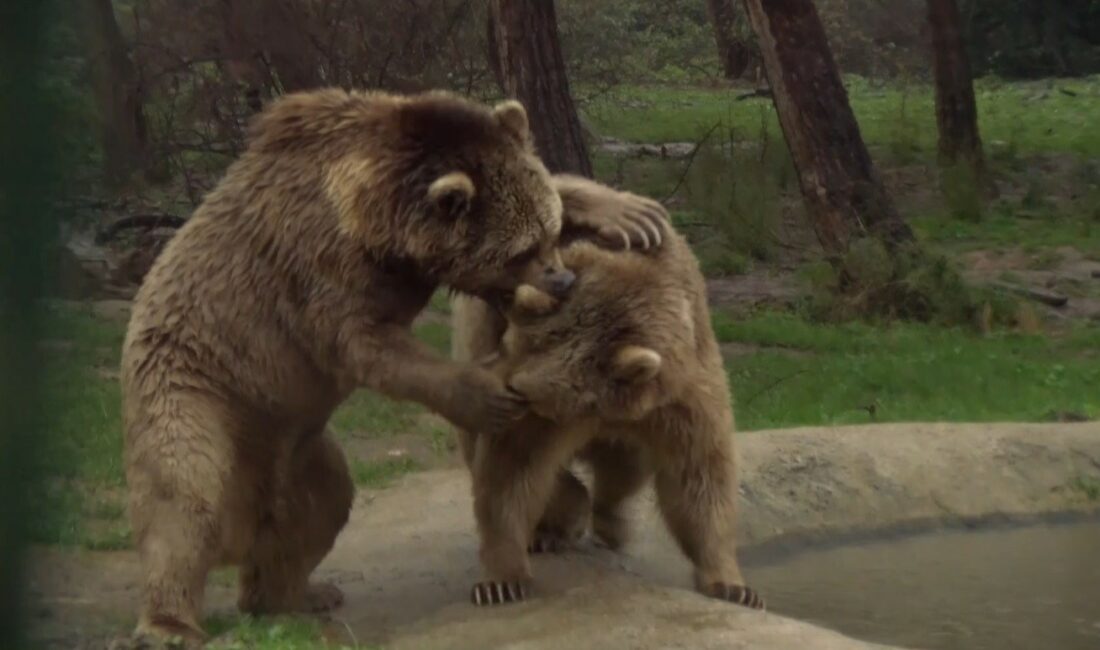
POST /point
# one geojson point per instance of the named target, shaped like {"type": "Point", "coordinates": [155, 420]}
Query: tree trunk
{"type": "Point", "coordinates": [843, 194]}
{"type": "Point", "coordinates": [285, 38]}
{"type": "Point", "coordinates": [533, 70]}
{"type": "Point", "coordinates": [493, 51]}
{"type": "Point", "coordinates": [956, 111]}
{"type": "Point", "coordinates": [240, 56]}
{"type": "Point", "coordinates": [734, 53]}
{"type": "Point", "coordinates": [118, 93]}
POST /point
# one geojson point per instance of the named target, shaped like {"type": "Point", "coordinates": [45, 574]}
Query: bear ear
{"type": "Point", "coordinates": [511, 115]}
{"type": "Point", "coordinates": [452, 194]}
{"type": "Point", "coordinates": [635, 365]}
{"type": "Point", "coordinates": [532, 302]}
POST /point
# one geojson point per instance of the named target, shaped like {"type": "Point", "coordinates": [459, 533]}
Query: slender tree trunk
{"type": "Point", "coordinates": [842, 191]}
{"type": "Point", "coordinates": [283, 35]}
{"type": "Point", "coordinates": [118, 93]}
{"type": "Point", "coordinates": [734, 53]}
{"type": "Point", "coordinates": [533, 70]}
{"type": "Point", "coordinates": [956, 111]}
{"type": "Point", "coordinates": [493, 52]}
{"type": "Point", "coordinates": [240, 56]}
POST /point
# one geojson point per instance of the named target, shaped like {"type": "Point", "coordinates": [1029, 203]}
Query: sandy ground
{"type": "Point", "coordinates": [408, 556]}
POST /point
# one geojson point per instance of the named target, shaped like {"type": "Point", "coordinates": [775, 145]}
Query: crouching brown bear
{"type": "Point", "coordinates": [294, 283]}
{"type": "Point", "coordinates": [626, 374]}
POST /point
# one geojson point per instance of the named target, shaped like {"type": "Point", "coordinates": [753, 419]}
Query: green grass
{"type": "Point", "coordinates": [370, 414]}
{"type": "Point", "coordinates": [82, 458]}
{"type": "Point", "coordinates": [435, 334]}
{"type": "Point", "coordinates": [441, 302]}
{"type": "Point", "coordinates": [1087, 486]}
{"type": "Point", "coordinates": [811, 374]}
{"type": "Point", "coordinates": [1023, 117]}
{"type": "Point", "coordinates": [1005, 227]}
{"type": "Point", "coordinates": [380, 474]}
{"type": "Point", "coordinates": [280, 633]}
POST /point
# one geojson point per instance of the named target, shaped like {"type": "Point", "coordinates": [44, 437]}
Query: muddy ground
{"type": "Point", "coordinates": [408, 556]}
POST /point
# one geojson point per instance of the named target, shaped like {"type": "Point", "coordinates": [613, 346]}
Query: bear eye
{"type": "Point", "coordinates": [524, 257]}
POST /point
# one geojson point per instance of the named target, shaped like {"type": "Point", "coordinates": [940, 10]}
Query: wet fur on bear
{"type": "Point", "coordinates": [625, 374]}
{"type": "Point", "coordinates": [295, 282]}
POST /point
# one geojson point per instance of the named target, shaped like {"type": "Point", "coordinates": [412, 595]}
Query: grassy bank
{"type": "Point", "coordinates": [784, 372]}
{"type": "Point", "coordinates": [1056, 115]}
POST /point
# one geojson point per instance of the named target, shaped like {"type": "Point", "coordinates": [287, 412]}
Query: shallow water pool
{"type": "Point", "coordinates": [1032, 588]}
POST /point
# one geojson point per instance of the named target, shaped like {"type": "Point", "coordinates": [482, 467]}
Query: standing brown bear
{"type": "Point", "coordinates": [294, 283]}
{"type": "Point", "coordinates": [624, 372]}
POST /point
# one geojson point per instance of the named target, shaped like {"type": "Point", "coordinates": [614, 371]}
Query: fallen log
{"type": "Point", "coordinates": [147, 221]}
{"type": "Point", "coordinates": [1050, 298]}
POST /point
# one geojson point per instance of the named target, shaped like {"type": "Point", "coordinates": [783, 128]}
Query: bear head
{"type": "Point", "coordinates": [607, 347]}
{"type": "Point", "coordinates": [447, 186]}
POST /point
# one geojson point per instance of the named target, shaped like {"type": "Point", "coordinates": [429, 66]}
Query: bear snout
{"type": "Point", "coordinates": [558, 283]}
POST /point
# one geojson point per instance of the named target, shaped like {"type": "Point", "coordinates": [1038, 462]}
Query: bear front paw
{"type": "Point", "coordinates": [737, 594]}
{"type": "Point", "coordinates": [498, 593]}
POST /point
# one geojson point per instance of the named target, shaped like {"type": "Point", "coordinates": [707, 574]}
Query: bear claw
{"type": "Point", "coordinates": [498, 593]}
{"type": "Point", "coordinates": [737, 594]}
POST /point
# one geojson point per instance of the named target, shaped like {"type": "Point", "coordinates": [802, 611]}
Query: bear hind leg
{"type": "Point", "coordinates": [566, 517]}
{"type": "Point", "coordinates": [312, 507]}
{"type": "Point", "coordinates": [176, 514]}
{"type": "Point", "coordinates": [698, 506]}
{"type": "Point", "coordinates": [619, 471]}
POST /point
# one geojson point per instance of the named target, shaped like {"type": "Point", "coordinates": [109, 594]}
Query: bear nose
{"type": "Point", "coordinates": [559, 282]}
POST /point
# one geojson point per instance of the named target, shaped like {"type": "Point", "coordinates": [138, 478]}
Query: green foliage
{"type": "Point", "coordinates": [804, 373]}
{"type": "Point", "coordinates": [65, 80]}
{"type": "Point", "coordinates": [873, 283]}
{"type": "Point", "coordinates": [613, 40]}
{"type": "Point", "coordinates": [717, 260]}
{"type": "Point", "coordinates": [1033, 38]}
{"type": "Point", "coordinates": [737, 185]}
{"type": "Point", "coordinates": [646, 175]}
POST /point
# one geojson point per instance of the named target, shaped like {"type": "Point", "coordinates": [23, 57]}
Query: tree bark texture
{"type": "Point", "coordinates": [118, 93]}
{"type": "Point", "coordinates": [529, 55]}
{"type": "Point", "coordinates": [240, 56]}
{"type": "Point", "coordinates": [956, 110]}
{"type": "Point", "coordinates": [267, 42]}
{"type": "Point", "coordinates": [734, 53]}
{"type": "Point", "coordinates": [843, 194]}
{"type": "Point", "coordinates": [493, 52]}
{"type": "Point", "coordinates": [287, 45]}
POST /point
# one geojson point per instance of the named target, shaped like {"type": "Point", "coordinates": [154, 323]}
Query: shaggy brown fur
{"type": "Point", "coordinates": [625, 372]}
{"type": "Point", "coordinates": [295, 282]}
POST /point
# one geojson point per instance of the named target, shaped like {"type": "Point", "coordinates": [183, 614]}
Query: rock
{"type": "Point", "coordinates": [82, 268]}
{"type": "Point", "coordinates": [408, 556]}
{"type": "Point", "coordinates": [620, 611]}
{"type": "Point", "coordinates": [851, 480]}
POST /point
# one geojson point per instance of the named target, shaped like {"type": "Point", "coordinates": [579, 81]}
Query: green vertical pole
{"type": "Point", "coordinates": [27, 176]}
